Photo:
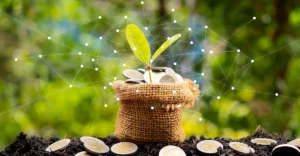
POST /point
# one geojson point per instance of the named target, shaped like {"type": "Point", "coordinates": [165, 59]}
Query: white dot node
{"type": "Point", "coordinates": [93, 60]}
{"type": "Point", "coordinates": [70, 86]}
{"type": "Point", "coordinates": [238, 50]}
{"type": "Point", "coordinates": [276, 94]}
{"type": "Point", "coordinates": [96, 69]}
{"type": "Point", "coordinates": [252, 61]}
{"type": "Point", "coordinates": [117, 30]}
{"type": "Point", "coordinates": [104, 87]}
{"type": "Point", "coordinates": [99, 17]}
{"type": "Point", "coordinates": [81, 66]}
{"type": "Point", "coordinates": [173, 9]}
{"type": "Point", "coordinates": [49, 38]}
{"type": "Point", "coordinates": [202, 50]}
{"type": "Point", "coordinates": [191, 42]}
{"type": "Point", "coordinates": [218, 97]}
{"type": "Point", "coordinates": [232, 88]}
{"type": "Point", "coordinates": [86, 44]}
{"type": "Point", "coordinates": [125, 17]}
{"type": "Point", "coordinates": [175, 21]}
{"type": "Point", "coordinates": [194, 88]}
{"type": "Point", "coordinates": [202, 74]}
{"type": "Point", "coordinates": [115, 51]}
{"type": "Point", "coordinates": [40, 56]}
{"type": "Point", "coordinates": [211, 51]}
{"type": "Point", "coordinates": [168, 38]}
{"type": "Point", "coordinates": [254, 18]}
{"type": "Point", "coordinates": [174, 91]}
{"type": "Point", "coordinates": [200, 119]}
{"type": "Point", "coordinates": [134, 48]}
{"type": "Point", "coordinates": [115, 78]}
{"type": "Point", "coordinates": [195, 81]}
{"type": "Point", "coordinates": [151, 61]}
{"type": "Point", "coordinates": [179, 105]}
{"type": "Point", "coordinates": [206, 27]}
{"type": "Point", "coordinates": [16, 59]}
{"type": "Point", "coordinates": [105, 105]}
{"type": "Point", "coordinates": [110, 83]}
{"type": "Point", "coordinates": [137, 91]}
{"type": "Point", "coordinates": [190, 29]}
{"type": "Point", "coordinates": [100, 38]}
{"type": "Point", "coordinates": [152, 107]}
{"type": "Point", "coordinates": [118, 99]}
{"type": "Point", "coordinates": [142, 2]}
{"type": "Point", "coordinates": [175, 63]}
{"type": "Point", "coordinates": [79, 53]}
{"type": "Point", "coordinates": [146, 28]}
{"type": "Point", "coordinates": [124, 65]}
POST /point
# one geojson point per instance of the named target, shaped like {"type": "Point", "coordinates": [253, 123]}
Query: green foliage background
{"type": "Point", "coordinates": [35, 94]}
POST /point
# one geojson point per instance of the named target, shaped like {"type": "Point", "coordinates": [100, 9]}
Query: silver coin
{"type": "Point", "coordinates": [285, 149]}
{"type": "Point", "coordinates": [133, 74]}
{"type": "Point", "coordinates": [58, 145]}
{"type": "Point", "coordinates": [156, 76]}
{"type": "Point", "coordinates": [83, 153]}
{"type": "Point", "coordinates": [171, 150]}
{"type": "Point", "coordinates": [209, 146]}
{"type": "Point", "coordinates": [96, 147]}
{"type": "Point", "coordinates": [124, 148]}
{"type": "Point", "coordinates": [241, 147]}
{"type": "Point", "coordinates": [167, 79]}
{"type": "Point", "coordinates": [263, 141]}
{"type": "Point", "coordinates": [88, 138]}
{"type": "Point", "coordinates": [295, 142]}
{"type": "Point", "coordinates": [171, 72]}
{"type": "Point", "coordinates": [179, 78]}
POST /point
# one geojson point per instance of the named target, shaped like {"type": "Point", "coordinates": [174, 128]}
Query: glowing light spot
{"type": "Point", "coordinates": [16, 59]}
{"type": "Point", "coordinates": [125, 17]}
{"type": "Point", "coordinates": [124, 65]}
{"type": "Point", "coordinates": [81, 66]}
{"type": "Point", "coordinates": [211, 51]}
{"type": "Point", "coordinates": [174, 91]}
{"type": "Point", "coordinates": [99, 17]}
{"type": "Point", "coordinates": [79, 53]}
{"type": "Point", "coordinates": [151, 60]}
{"type": "Point", "coordinates": [175, 21]}
{"type": "Point", "coordinates": [40, 56]}
{"type": "Point", "coordinates": [200, 119]}
{"type": "Point", "coordinates": [202, 50]}
{"type": "Point", "coordinates": [232, 88]}
{"type": "Point", "coordinates": [110, 83]}
{"type": "Point", "coordinates": [173, 10]}
{"type": "Point", "coordinates": [190, 29]}
{"type": "Point", "coordinates": [276, 94]}
{"type": "Point", "coordinates": [118, 99]}
{"type": "Point", "coordinates": [86, 44]}
{"type": "Point", "coordinates": [142, 2]}
{"type": "Point", "coordinates": [100, 38]}
{"type": "Point", "coordinates": [117, 30]}
{"type": "Point", "coordinates": [218, 97]}
{"type": "Point", "coordinates": [105, 105]}
{"type": "Point", "coordinates": [168, 38]}
{"type": "Point", "coordinates": [134, 48]}
{"type": "Point", "coordinates": [191, 42]}
{"type": "Point", "coordinates": [254, 18]}
{"type": "Point", "coordinates": [175, 63]}
{"type": "Point", "coordinates": [104, 87]}
{"type": "Point", "coordinates": [137, 91]}
{"type": "Point", "coordinates": [96, 69]}
{"type": "Point", "coordinates": [179, 105]}
{"type": "Point", "coordinates": [146, 28]}
{"type": "Point", "coordinates": [152, 107]}
{"type": "Point", "coordinates": [49, 38]}
{"type": "Point", "coordinates": [238, 50]}
{"type": "Point", "coordinates": [194, 88]}
{"type": "Point", "coordinates": [195, 81]}
{"type": "Point", "coordinates": [115, 51]}
{"type": "Point", "coordinates": [115, 78]}
{"type": "Point", "coordinates": [252, 61]}
{"type": "Point", "coordinates": [70, 86]}
{"type": "Point", "coordinates": [202, 74]}
{"type": "Point", "coordinates": [206, 27]}
{"type": "Point", "coordinates": [93, 59]}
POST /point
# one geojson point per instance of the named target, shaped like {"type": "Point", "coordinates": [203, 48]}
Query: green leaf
{"type": "Point", "coordinates": [165, 45]}
{"type": "Point", "coordinates": [138, 43]}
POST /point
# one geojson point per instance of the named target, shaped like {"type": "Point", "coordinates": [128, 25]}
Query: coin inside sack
{"type": "Point", "coordinates": [171, 150]}
{"type": "Point", "coordinates": [263, 141]}
{"type": "Point", "coordinates": [179, 78]}
{"type": "Point", "coordinates": [295, 142]}
{"type": "Point", "coordinates": [167, 79]}
{"type": "Point", "coordinates": [241, 147]}
{"type": "Point", "coordinates": [158, 69]}
{"type": "Point", "coordinates": [132, 81]}
{"type": "Point", "coordinates": [83, 153]}
{"type": "Point", "coordinates": [285, 149]}
{"type": "Point", "coordinates": [141, 70]}
{"type": "Point", "coordinates": [209, 146]}
{"type": "Point", "coordinates": [96, 147]}
{"type": "Point", "coordinates": [133, 74]}
{"type": "Point", "coordinates": [156, 76]}
{"type": "Point", "coordinates": [124, 148]}
{"type": "Point", "coordinates": [58, 145]}
{"type": "Point", "coordinates": [85, 139]}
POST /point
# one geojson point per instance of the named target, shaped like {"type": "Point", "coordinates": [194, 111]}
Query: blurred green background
{"type": "Point", "coordinates": [36, 96]}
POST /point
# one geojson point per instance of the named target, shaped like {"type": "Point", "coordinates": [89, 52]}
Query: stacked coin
{"type": "Point", "coordinates": [156, 75]}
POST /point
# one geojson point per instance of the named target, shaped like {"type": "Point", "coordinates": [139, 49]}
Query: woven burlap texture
{"type": "Point", "coordinates": [146, 114]}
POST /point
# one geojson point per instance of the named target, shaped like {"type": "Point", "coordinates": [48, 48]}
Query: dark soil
{"type": "Point", "coordinates": [35, 146]}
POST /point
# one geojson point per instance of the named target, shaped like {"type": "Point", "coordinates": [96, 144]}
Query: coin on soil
{"type": "Point", "coordinates": [133, 74]}
{"type": "Point", "coordinates": [167, 79]}
{"type": "Point", "coordinates": [263, 141]}
{"type": "Point", "coordinates": [83, 153]}
{"type": "Point", "coordinates": [171, 150]}
{"type": "Point", "coordinates": [295, 142]}
{"type": "Point", "coordinates": [96, 147]}
{"type": "Point", "coordinates": [241, 147]}
{"type": "Point", "coordinates": [85, 139]}
{"type": "Point", "coordinates": [285, 149]}
{"type": "Point", "coordinates": [58, 145]}
{"type": "Point", "coordinates": [209, 146]}
{"type": "Point", "coordinates": [124, 148]}
{"type": "Point", "coordinates": [156, 76]}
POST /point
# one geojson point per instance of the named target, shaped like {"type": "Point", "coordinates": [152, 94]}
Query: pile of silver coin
{"type": "Point", "coordinates": [158, 75]}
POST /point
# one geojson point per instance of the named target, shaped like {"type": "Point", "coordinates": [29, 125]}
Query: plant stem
{"type": "Point", "coordinates": [150, 75]}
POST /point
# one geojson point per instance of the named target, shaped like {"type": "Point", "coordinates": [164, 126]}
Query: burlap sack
{"type": "Point", "coordinates": [152, 112]}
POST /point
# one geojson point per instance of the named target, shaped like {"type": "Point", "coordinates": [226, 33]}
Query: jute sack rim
{"type": "Point", "coordinates": [183, 93]}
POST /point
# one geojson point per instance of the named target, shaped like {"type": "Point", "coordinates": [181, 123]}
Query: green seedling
{"type": "Point", "coordinates": [140, 46]}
